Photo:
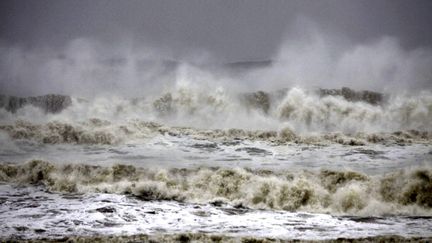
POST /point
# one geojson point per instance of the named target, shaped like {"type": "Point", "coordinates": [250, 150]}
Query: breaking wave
{"type": "Point", "coordinates": [336, 192]}
{"type": "Point", "coordinates": [96, 131]}
{"type": "Point", "coordinates": [302, 111]}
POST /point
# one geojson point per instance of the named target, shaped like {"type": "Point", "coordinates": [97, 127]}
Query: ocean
{"type": "Point", "coordinates": [213, 164]}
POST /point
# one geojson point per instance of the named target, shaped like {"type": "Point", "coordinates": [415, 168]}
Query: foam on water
{"type": "Point", "coordinates": [33, 213]}
{"type": "Point", "coordinates": [405, 192]}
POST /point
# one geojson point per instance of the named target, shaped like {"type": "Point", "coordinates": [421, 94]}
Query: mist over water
{"type": "Point", "coordinates": [87, 67]}
{"type": "Point", "coordinates": [128, 82]}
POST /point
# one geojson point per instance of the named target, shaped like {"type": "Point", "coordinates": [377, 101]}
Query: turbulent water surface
{"type": "Point", "coordinates": [289, 164]}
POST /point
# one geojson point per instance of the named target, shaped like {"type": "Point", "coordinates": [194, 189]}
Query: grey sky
{"type": "Point", "coordinates": [229, 30]}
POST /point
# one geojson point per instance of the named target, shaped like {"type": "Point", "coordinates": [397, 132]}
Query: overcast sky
{"type": "Point", "coordinates": [229, 30]}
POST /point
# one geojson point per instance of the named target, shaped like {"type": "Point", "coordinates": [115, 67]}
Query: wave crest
{"type": "Point", "coordinates": [304, 111]}
{"type": "Point", "coordinates": [337, 192]}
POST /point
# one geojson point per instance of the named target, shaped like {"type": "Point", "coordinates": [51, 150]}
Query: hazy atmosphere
{"type": "Point", "coordinates": [216, 121]}
{"type": "Point", "coordinates": [73, 46]}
